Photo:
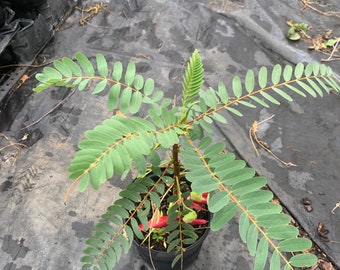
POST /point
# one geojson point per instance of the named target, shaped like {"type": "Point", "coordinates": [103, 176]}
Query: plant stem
{"type": "Point", "coordinates": [177, 169]}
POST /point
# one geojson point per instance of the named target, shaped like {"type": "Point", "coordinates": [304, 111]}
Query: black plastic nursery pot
{"type": "Point", "coordinates": [162, 260]}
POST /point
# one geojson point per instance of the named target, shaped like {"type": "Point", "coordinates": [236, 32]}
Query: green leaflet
{"type": "Point", "coordinates": [303, 260]}
{"type": "Point", "coordinates": [102, 66]}
{"type": "Point", "coordinates": [94, 242]}
{"type": "Point", "coordinates": [264, 209]}
{"type": "Point", "coordinates": [156, 119]}
{"type": "Point", "coordinates": [270, 98]}
{"type": "Point", "coordinates": [282, 232]}
{"type": "Point", "coordinates": [204, 143]}
{"type": "Point", "coordinates": [83, 183]}
{"type": "Point", "coordinates": [261, 254]}
{"type": "Point", "coordinates": [275, 262]}
{"type": "Point", "coordinates": [221, 217]}
{"type": "Point", "coordinates": [316, 69]}
{"type": "Point", "coordinates": [62, 68]}
{"type": "Point", "coordinates": [104, 227]}
{"type": "Point", "coordinates": [309, 70]}
{"type": "Point", "coordinates": [76, 70]}
{"type": "Point", "coordinates": [294, 89]}
{"type": "Point", "coordinates": [234, 111]}
{"type": "Point", "coordinates": [172, 245]}
{"type": "Point", "coordinates": [307, 88]}
{"type": "Point", "coordinates": [201, 183]}
{"type": "Point", "coordinates": [138, 82]}
{"type": "Point", "coordinates": [167, 138]}
{"type": "Point", "coordinates": [125, 99]}
{"type": "Point", "coordinates": [177, 258]}
{"type": "Point", "coordinates": [99, 87]}
{"type": "Point", "coordinates": [149, 87]}
{"type": "Point", "coordinates": [217, 201]}
{"type": "Point", "coordinates": [255, 197]}
{"type": "Point", "coordinates": [250, 81]}
{"type": "Point", "coordinates": [222, 93]}
{"type": "Point", "coordinates": [276, 74]}
{"type": "Point", "coordinates": [252, 237]}
{"type": "Point", "coordinates": [315, 87]}
{"type": "Point", "coordinates": [298, 71]}
{"type": "Point", "coordinates": [247, 104]}
{"type": "Point", "coordinates": [95, 178]}
{"type": "Point", "coordinates": [205, 126]}
{"type": "Point", "coordinates": [287, 73]}
{"type": "Point", "coordinates": [82, 84]}
{"type": "Point", "coordinates": [283, 94]}
{"type": "Point", "coordinates": [135, 102]}
{"type": "Point", "coordinates": [125, 203]}
{"type": "Point", "coordinates": [273, 220]}
{"type": "Point", "coordinates": [110, 259]}
{"type": "Point", "coordinates": [243, 227]}
{"type": "Point", "coordinates": [108, 166]}
{"type": "Point", "coordinates": [210, 98]}
{"type": "Point", "coordinates": [135, 228]}
{"type": "Point", "coordinates": [88, 259]}
{"type": "Point", "coordinates": [294, 244]}
{"type": "Point", "coordinates": [117, 71]}
{"type": "Point", "coordinates": [262, 77]}
{"type": "Point", "coordinates": [52, 74]}
{"type": "Point", "coordinates": [124, 242]}
{"type": "Point", "coordinates": [85, 63]}
{"type": "Point", "coordinates": [91, 251]}
{"type": "Point", "coordinates": [155, 199]}
{"type": "Point", "coordinates": [259, 101]}
{"type": "Point", "coordinates": [157, 96]}
{"type": "Point", "coordinates": [130, 73]}
{"type": "Point", "coordinates": [119, 210]}
{"type": "Point", "coordinates": [214, 150]}
{"type": "Point", "coordinates": [237, 86]}
{"type": "Point", "coordinates": [40, 87]}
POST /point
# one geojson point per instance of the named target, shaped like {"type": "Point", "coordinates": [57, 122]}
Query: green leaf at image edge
{"type": "Point", "coordinates": [304, 260]}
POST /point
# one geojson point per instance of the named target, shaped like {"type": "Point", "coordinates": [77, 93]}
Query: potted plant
{"type": "Point", "coordinates": [186, 183]}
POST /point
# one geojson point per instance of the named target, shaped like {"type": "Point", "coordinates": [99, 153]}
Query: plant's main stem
{"type": "Point", "coordinates": [176, 163]}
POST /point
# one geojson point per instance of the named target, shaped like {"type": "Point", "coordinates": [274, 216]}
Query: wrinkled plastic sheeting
{"type": "Point", "coordinates": [38, 232]}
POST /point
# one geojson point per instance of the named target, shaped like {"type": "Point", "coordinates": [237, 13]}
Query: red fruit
{"type": "Point", "coordinates": [197, 207]}
{"type": "Point", "coordinates": [202, 200]}
{"type": "Point", "coordinates": [198, 221]}
{"type": "Point", "coordinates": [161, 222]}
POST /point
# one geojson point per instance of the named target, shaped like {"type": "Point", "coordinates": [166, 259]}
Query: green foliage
{"type": "Point", "coordinates": [184, 133]}
{"type": "Point", "coordinates": [296, 30]}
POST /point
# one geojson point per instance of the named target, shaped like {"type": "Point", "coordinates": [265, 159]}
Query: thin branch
{"type": "Point", "coordinates": [50, 111]}
{"type": "Point", "coordinates": [11, 144]}
{"type": "Point", "coordinates": [337, 205]}
{"type": "Point", "coordinates": [253, 135]}
{"type": "Point", "coordinates": [333, 51]}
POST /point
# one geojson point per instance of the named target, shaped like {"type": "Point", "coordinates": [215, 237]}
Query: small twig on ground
{"type": "Point", "coordinates": [335, 48]}
{"type": "Point", "coordinates": [17, 146]}
{"type": "Point", "coordinates": [309, 4]}
{"type": "Point", "coordinates": [337, 205]}
{"type": "Point", "coordinates": [28, 65]}
{"type": "Point", "coordinates": [90, 12]}
{"type": "Point", "coordinates": [50, 111]}
{"type": "Point", "coordinates": [253, 136]}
